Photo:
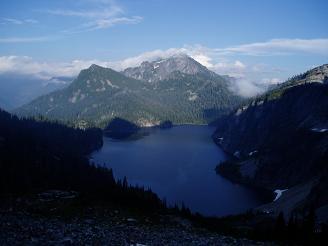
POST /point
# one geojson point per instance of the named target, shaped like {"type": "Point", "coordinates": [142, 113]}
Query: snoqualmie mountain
{"type": "Point", "coordinates": [178, 89]}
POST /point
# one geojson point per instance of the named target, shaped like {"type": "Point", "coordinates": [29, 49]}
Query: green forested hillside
{"type": "Point", "coordinates": [99, 95]}
{"type": "Point", "coordinates": [280, 142]}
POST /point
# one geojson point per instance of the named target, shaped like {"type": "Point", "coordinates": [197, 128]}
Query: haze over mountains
{"type": "Point", "coordinates": [19, 89]}
{"type": "Point", "coordinates": [178, 89]}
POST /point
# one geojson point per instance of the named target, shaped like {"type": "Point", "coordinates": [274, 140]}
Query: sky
{"type": "Point", "coordinates": [259, 42]}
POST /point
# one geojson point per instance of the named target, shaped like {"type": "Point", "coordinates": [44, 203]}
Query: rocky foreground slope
{"type": "Point", "coordinates": [48, 220]}
{"type": "Point", "coordinates": [279, 141]}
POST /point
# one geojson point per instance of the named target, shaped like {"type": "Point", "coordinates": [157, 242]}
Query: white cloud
{"type": "Point", "coordinates": [25, 39]}
{"type": "Point", "coordinates": [278, 47]}
{"type": "Point", "coordinates": [246, 87]}
{"type": "Point", "coordinates": [242, 84]}
{"type": "Point", "coordinates": [148, 56]}
{"type": "Point", "coordinates": [106, 23]}
{"type": "Point", "coordinates": [27, 65]}
{"type": "Point", "coordinates": [102, 15]}
{"type": "Point", "coordinates": [203, 59]}
{"type": "Point", "coordinates": [250, 79]}
{"type": "Point", "coordinates": [105, 14]}
{"type": "Point", "coordinates": [18, 21]}
{"type": "Point", "coordinates": [32, 21]}
{"type": "Point", "coordinates": [239, 64]}
{"type": "Point", "coordinates": [234, 69]}
{"type": "Point", "coordinates": [193, 51]}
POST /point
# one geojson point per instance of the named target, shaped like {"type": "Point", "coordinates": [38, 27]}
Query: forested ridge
{"type": "Point", "coordinates": [36, 156]}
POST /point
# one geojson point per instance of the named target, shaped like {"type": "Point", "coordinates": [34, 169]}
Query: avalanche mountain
{"type": "Point", "coordinates": [176, 89]}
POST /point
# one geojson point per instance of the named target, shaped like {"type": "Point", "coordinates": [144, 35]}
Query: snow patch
{"type": "Point", "coordinates": [192, 98]}
{"type": "Point", "coordinates": [192, 95]}
{"type": "Point", "coordinates": [148, 122]}
{"type": "Point", "coordinates": [158, 62]}
{"type": "Point", "coordinates": [75, 96]}
{"type": "Point", "coordinates": [220, 138]}
{"type": "Point", "coordinates": [109, 83]}
{"type": "Point", "coordinates": [236, 154]}
{"type": "Point", "coordinates": [100, 89]}
{"type": "Point", "coordinates": [279, 193]}
{"type": "Point", "coordinates": [82, 97]}
{"type": "Point", "coordinates": [319, 130]}
{"type": "Point", "coordinates": [49, 110]}
{"type": "Point", "coordinates": [252, 153]}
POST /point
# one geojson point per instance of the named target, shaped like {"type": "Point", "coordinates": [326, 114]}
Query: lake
{"type": "Point", "coordinates": [178, 164]}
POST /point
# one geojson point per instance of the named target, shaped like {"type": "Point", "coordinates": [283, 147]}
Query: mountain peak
{"type": "Point", "coordinates": [161, 69]}
{"type": "Point", "coordinates": [95, 67]}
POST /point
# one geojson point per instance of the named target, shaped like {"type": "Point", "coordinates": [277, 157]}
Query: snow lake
{"type": "Point", "coordinates": [179, 165]}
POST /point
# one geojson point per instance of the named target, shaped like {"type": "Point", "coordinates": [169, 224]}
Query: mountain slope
{"type": "Point", "coordinates": [280, 140]}
{"type": "Point", "coordinates": [94, 97]}
{"type": "Point", "coordinates": [99, 95]}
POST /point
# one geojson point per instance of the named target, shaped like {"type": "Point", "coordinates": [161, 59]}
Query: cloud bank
{"type": "Point", "coordinates": [249, 79]}
{"type": "Point", "coordinates": [5, 21]}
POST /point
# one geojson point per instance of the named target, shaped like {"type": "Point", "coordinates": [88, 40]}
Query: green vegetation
{"type": "Point", "coordinates": [39, 156]}
{"type": "Point", "coordinates": [99, 95]}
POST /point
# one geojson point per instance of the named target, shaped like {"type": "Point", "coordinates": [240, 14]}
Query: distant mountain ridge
{"type": "Point", "coordinates": [180, 90]}
{"type": "Point", "coordinates": [17, 90]}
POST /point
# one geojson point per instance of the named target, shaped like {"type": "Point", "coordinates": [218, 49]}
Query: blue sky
{"type": "Point", "coordinates": [256, 40]}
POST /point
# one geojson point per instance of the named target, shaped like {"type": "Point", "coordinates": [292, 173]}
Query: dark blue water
{"type": "Point", "coordinates": [178, 164]}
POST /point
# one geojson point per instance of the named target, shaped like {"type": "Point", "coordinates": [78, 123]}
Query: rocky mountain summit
{"type": "Point", "coordinates": [315, 75]}
{"type": "Point", "coordinates": [162, 69]}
